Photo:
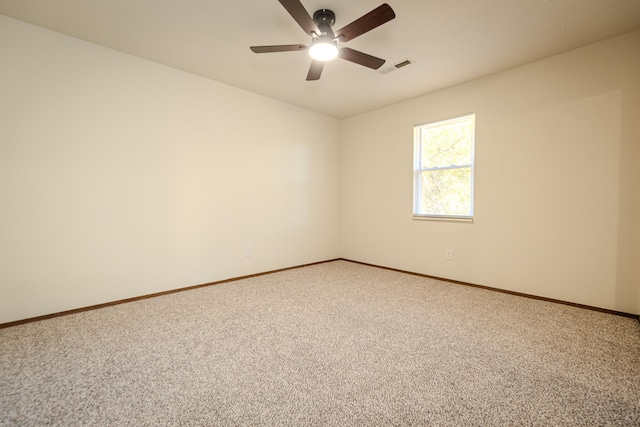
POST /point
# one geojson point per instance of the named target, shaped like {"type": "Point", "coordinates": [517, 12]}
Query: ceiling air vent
{"type": "Point", "coordinates": [396, 66]}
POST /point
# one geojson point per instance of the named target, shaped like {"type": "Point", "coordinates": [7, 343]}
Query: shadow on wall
{"type": "Point", "coordinates": [628, 269]}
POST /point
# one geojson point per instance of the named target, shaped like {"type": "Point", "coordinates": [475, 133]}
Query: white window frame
{"type": "Point", "coordinates": [418, 169]}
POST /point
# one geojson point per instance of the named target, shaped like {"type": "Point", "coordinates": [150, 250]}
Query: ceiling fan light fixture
{"type": "Point", "coordinates": [323, 50]}
{"type": "Point", "coordinates": [324, 42]}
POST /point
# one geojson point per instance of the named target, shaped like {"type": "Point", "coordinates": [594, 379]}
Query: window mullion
{"type": "Point", "coordinates": [440, 168]}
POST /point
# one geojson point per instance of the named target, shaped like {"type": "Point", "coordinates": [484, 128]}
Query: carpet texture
{"type": "Point", "coordinates": [333, 344]}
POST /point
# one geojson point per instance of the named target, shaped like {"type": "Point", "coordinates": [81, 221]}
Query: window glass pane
{"type": "Point", "coordinates": [447, 144]}
{"type": "Point", "coordinates": [446, 192]}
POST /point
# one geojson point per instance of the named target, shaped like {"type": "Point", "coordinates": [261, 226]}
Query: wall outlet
{"type": "Point", "coordinates": [248, 251]}
{"type": "Point", "coordinates": [448, 254]}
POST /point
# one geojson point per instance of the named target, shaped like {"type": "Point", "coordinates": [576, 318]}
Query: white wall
{"type": "Point", "coordinates": [120, 177]}
{"type": "Point", "coordinates": [556, 210]}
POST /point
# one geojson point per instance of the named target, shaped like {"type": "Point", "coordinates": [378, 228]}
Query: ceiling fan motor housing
{"type": "Point", "coordinates": [324, 19]}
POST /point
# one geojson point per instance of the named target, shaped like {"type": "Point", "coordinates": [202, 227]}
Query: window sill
{"type": "Point", "coordinates": [468, 219]}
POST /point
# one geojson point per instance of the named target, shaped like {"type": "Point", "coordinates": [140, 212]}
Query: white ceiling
{"type": "Point", "coordinates": [451, 41]}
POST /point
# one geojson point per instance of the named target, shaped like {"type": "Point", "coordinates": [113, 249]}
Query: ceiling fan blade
{"type": "Point", "coordinates": [368, 22]}
{"type": "Point", "coordinates": [315, 70]}
{"type": "Point", "coordinates": [301, 16]}
{"type": "Point", "coordinates": [360, 58]}
{"type": "Point", "coordinates": [278, 48]}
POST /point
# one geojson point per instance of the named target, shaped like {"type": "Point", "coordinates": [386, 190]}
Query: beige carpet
{"type": "Point", "coordinates": [335, 344]}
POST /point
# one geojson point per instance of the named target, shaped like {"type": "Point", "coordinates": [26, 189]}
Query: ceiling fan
{"type": "Point", "coordinates": [324, 42]}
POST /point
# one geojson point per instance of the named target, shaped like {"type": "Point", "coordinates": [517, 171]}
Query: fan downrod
{"type": "Point", "coordinates": [324, 18]}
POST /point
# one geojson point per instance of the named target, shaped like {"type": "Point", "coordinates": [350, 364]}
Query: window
{"type": "Point", "coordinates": [443, 168]}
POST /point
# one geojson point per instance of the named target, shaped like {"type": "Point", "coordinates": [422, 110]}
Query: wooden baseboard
{"type": "Point", "coordinates": [504, 291]}
{"type": "Point", "coordinates": [157, 294]}
{"type": "Point", "coordinates": [153, 295]}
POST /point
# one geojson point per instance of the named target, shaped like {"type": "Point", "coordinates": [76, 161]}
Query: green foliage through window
{"type": "Point", "coordinates": [443, 168]}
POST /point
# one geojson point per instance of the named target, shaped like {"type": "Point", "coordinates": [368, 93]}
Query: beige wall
{"type": "Point", "coordinates": [556, 181]}
{"type": "Point", "coordinates": [120, 177]}
{"type": "Point", "coordinates": [634, 188]}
